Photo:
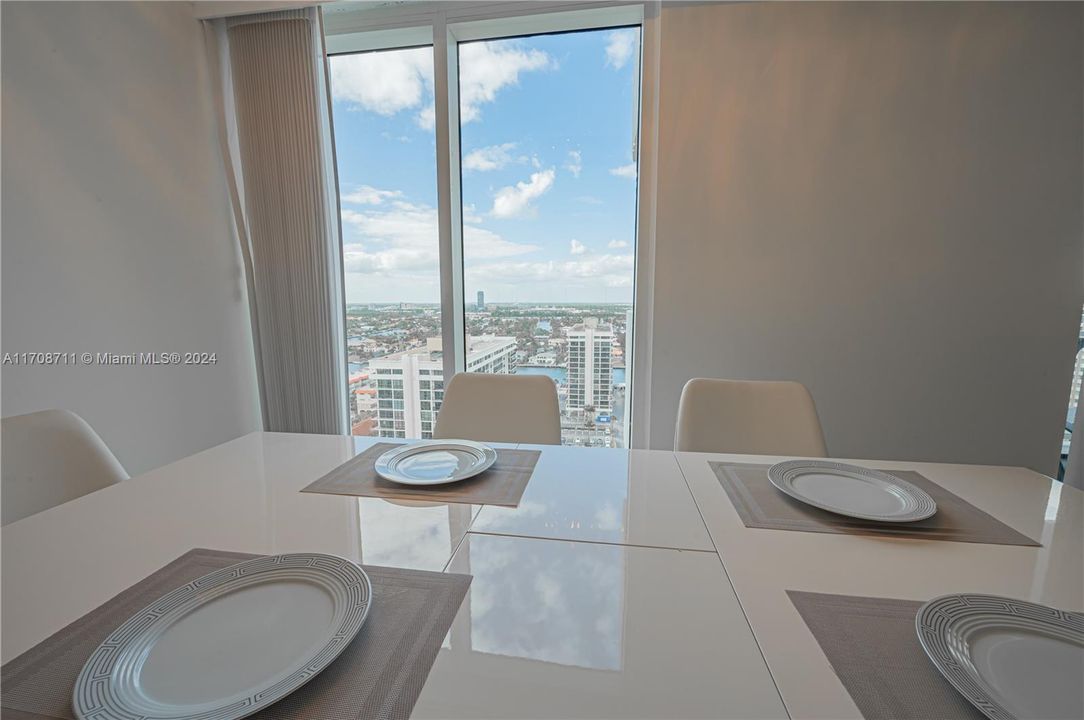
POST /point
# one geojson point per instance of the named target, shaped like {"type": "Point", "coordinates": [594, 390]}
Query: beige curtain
{"type": "Point", "coordinates": [279, 157]}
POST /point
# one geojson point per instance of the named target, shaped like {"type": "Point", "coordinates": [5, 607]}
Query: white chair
{"type": "Point", "coordinates": [500, 408]}
{"type": "Point", "coordinates": [49, 458]}
{"type": "Point", "coordinates": [748, 417]}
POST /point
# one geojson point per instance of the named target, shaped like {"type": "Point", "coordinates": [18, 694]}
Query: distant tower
{"type": "Point", "coordinates": [481, 300]}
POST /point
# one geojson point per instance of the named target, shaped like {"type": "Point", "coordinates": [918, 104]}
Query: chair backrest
{"type": "Point", "coordinates": [500, 408]}
{"type": "Point", "coordinates": [748, 417]}
{"type": "Point", "coordinates": [49, 458]}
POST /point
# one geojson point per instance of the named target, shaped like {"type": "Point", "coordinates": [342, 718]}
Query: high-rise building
{"type": "Point", "coordinates": [481, 300]}
{"type": "Point", "coordinates": [590, 347]}
{"type": "Point", "coordinates": [410, 384]}
{"type": "Point", "coordinates": [1078, 382]}
{"type": "Point", "coordinates": [1072, 419]}
{"type": "Point", "coordinates": [626, 416]}
{"type": "Point", "coordinates": [1078, 371]}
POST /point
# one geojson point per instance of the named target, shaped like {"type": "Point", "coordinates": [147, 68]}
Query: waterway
{"type": "Point", "coordinates": [558, 374]}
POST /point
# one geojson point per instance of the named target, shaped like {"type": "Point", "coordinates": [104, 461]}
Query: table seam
{"type": "Point", "coordinates": [491, 533]}
{"type": "Point", "coordinates": [733, 589]}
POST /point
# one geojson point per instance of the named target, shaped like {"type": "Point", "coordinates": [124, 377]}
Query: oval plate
{"type": "Point", "coordinates": [435, 462]}
{"type": "Point", "coordinates": [853, 491]}
{"type": "Point", "coordinates": [228, 644]}
{"type": "Point", "coordinates": [1011, 659]}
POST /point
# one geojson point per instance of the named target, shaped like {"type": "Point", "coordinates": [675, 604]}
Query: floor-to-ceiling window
{"type": "Point", "coordinates": [548, 134]}
{"type": "Point", "coordinates": [1074, 400]}
{"type": "Point", "coordinates": [387, 190]}
{"type": "Point", "coordinates": [533, 181]}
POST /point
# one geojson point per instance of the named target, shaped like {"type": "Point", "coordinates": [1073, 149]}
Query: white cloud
{"type": "Point", "coordinates": [383, 82]}
{"type": "Point", "coordinates": [575, 163]}
{"type": "Point", "coordinates": [588, 200]}
{"type": "Point", "coordinates": [401, 240]}
{"type": "Point", "coordinates": [470, 214]}
{"type": "Point", "coordinates": [493, 157]}
{"type": "Point", "coordinates": [487, 67]}
{"type": "Point", "coordinates": [516, 199]}
{"type": "Point", "coordinates": [577, 248]}
{"type": "Point", "coordinates": [621, 45]}
{"type": "Point", "coordinates": [427, 117]}
{"type": "Point", "coordinates": [616, 244]}
{"type": "Point", "coordinates": [608, 517]}
{"type": "Point", "coordinates": [368, 195]}
{"type": "Point", "coordinates": [625, 171]}
{"type": "Point", "coordinates": [588, 271]}
{"type": "Point", "coordinates": [390, 82]}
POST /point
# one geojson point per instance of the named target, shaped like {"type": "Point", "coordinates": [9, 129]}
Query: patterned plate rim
{"type": "Point", "coordinates": [925, 505]}
{"type": "Point", "coordinates": [934, 621]}
{"type": "Point", "coordinates": [383, 464]}
{"type": "Point", "coordinates": [95, 698]}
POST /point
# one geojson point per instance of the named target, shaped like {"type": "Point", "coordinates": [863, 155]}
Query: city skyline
{"type": "Point", "coordinates": [396, 369]}
{"type": "Point", "coordinates": [490, 301]}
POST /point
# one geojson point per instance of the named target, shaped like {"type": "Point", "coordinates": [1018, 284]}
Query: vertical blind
{"type": "Point", "coordinates": [286, 207]}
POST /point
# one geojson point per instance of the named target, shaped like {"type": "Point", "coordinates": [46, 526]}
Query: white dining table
{"type": "Point", "coordinates": [623, 585]}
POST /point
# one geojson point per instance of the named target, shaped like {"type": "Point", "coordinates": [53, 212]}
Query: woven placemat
{"type": "Point", "coordinates": [872, 646]}
{"type": "Point", "coordinates": [379, 675]}
{"type": "Point", "coordinates": [761, 505]}
{"type": "Point", "coordinates": [502, 484]}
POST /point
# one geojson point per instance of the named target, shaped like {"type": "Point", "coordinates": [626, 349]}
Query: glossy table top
{"type": "Point", "coordinates": [571, 629]}
{"type": "Point", "coordinates": [636, 497]}
{"type": "Point", "coordinates": [624, 585]}
{"type": "Point", "coordinates": [763, 564]}
{"type": "Point", "coordinates": [606, 621]}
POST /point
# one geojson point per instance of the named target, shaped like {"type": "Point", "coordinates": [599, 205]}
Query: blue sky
{"type": "Point", "coordinates": [549, 183]}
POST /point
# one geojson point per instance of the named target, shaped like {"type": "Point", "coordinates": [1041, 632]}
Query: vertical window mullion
{"type": "Point", "coordinates": [449, 205]}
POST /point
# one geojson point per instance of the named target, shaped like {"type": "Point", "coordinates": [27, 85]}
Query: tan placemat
{"type": "Point", "coordinates": [761, 505]}
{"type": "Point", "coordinates": [502, 484]}
{"type": "Point", "coordinates": [379, 675]}
{"type": "Point", "coordinates": [872, 646]}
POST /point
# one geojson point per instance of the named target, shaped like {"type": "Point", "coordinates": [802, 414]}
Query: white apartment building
{"type": "Point", "coordinates": [1078, 371]}
{"type": "Point", "coordinates": [546, 358]}
{"type": "Point", "coordinates": [590, 347]}
{"type": "Point", "coordinates": [1074, 394]}
{"type": "Point", "coordinates": [410, 384]}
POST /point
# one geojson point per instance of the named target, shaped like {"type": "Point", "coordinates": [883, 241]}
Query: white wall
{"type": "Point", "coordinates": [116, 229]}
{"type": "Point", "coordinates": [883, 201]}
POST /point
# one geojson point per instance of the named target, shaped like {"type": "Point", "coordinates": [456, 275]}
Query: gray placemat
{"type": "Point", "coordinates": [761, 505]}
{"type": "Point", "coordinates": [379, 675]}
{"type": "Point", "coordinates": [872, 646]}
{"type": "Point", "coordinates": [502, 484]}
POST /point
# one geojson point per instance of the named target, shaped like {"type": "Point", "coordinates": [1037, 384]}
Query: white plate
{"type": "Point", "coordinates": [1011, 659]}
{"type": "Point", "coordinates": [228, 644]}
{"type": "Point", "coordinates": [851, 490]}
{"type": "Point", "coordinates": [435, 462]}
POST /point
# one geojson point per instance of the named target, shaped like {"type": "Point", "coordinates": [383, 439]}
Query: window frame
{"type": "Point", "coordinates": [444, 26]}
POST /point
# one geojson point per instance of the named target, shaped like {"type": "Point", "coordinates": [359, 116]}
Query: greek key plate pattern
{"type": "Point", "coordinates": [944, 625]}
{"type": "Point", "coordinates": [918, 505]}
{"type": "Point", "coordinates": [108, 686]}
{"type": "Point", "coordinates": [388, 465]}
